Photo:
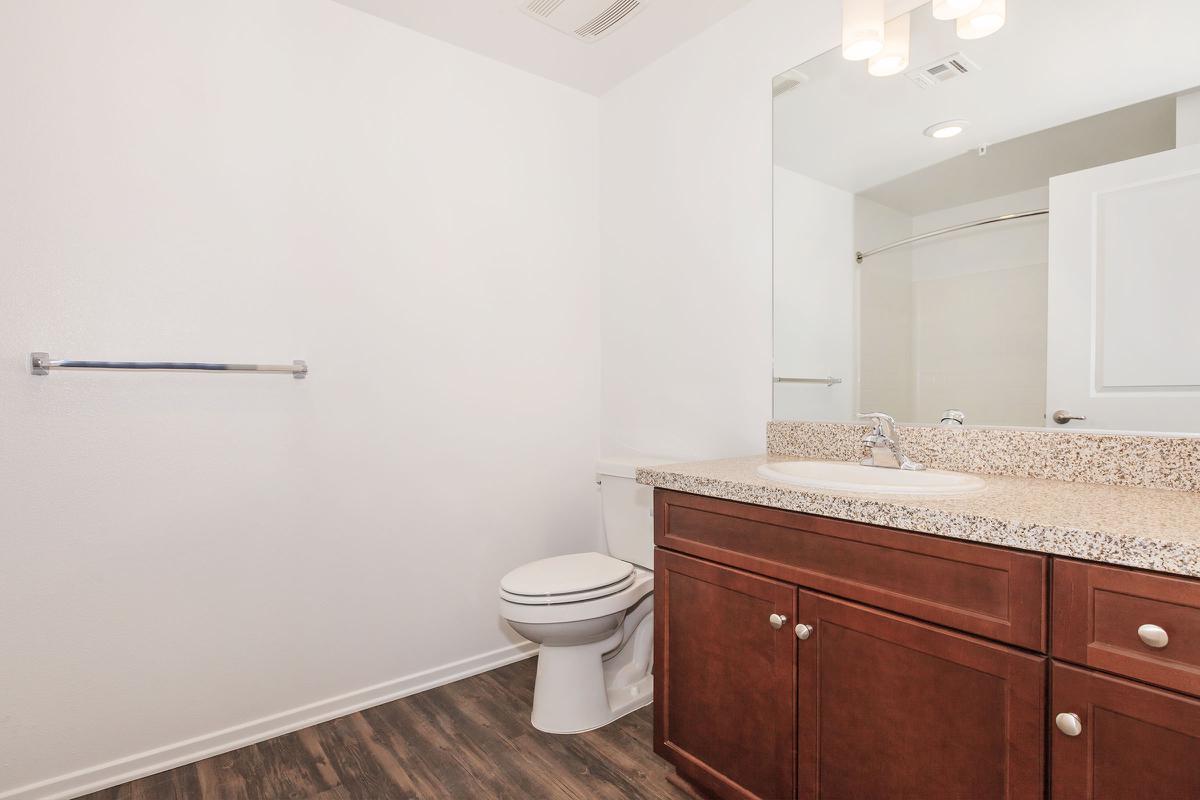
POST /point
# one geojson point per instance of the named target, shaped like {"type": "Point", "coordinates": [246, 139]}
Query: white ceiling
{"type": "Point", "coordinates": [499, 29]}
{"type": "Point", "coordinates": [1054, 62]}
{"type": "Point", "coordinates": [1030, 161]}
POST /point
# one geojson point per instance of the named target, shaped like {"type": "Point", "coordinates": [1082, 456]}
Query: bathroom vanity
{"type": "Point", "coordinates": [997, 250]}
{"type": "Point", "coordinates": [1036, 634]}
{"type": "Point", "coordinates": [813, 655]}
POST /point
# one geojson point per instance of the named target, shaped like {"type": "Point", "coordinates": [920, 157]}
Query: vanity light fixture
{"type": "Point", "coordinates": [983, 21]}
{"type": "Point", "coordinates": [893, 59]}
{"type": "Point", "coordinates": [947, 129]}
{"type": "Point", "coordinates": [862, 28]}
{"type": "Point", "coordinates": [953, 9]}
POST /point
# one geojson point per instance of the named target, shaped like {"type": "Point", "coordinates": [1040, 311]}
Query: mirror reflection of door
{"type": "Point", "coordinates": [1124, 292]}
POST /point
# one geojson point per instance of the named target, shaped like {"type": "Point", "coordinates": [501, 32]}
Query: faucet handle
{"type": "Point", "coordinates": [884, 424]}
{"type": "Point", "coordinates": [878, 437]}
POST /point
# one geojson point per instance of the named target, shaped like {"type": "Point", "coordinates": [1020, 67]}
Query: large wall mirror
{"type": "Point", "coordinates": [1005, 230]}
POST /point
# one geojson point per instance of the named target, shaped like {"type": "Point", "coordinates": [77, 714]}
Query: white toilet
{"type": "Point", "coordinates": [592, 613]}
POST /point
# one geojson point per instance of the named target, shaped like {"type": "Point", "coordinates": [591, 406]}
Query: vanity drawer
{"type": "Point", "coordinates": [1102, 618]}
{"type": "Point", "coordinates": [990, 591]}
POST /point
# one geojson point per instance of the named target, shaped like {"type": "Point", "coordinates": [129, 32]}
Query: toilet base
{"type": "Point", "coordinates": [583, 687]}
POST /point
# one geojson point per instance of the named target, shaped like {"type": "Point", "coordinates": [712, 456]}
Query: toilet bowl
{"type": "Point", "coordinates": [592, 613]}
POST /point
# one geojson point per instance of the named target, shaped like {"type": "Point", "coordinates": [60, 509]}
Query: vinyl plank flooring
{"type": "Point", "coordinates": [470, 739]}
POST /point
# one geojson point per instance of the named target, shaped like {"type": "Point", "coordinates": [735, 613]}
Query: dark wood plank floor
{"type": "Point", "coordinates": [470, 739]}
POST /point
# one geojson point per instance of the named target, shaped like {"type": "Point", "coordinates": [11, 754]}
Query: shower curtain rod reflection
{"type": "Point", "coordinates": [859, 256]}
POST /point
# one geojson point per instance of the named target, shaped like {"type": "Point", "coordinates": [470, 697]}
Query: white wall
{"type": "Point", "coordinates": [885, 311]}
{"type": "Point", "coordinates": [986, 248]}
{"type": "Point", "coordinates": [979, 313]}
{"type": "Point", "coordinates": [193, 560]}
{"type": "Point", "coordinates": [686, 218]}
{"type": "Point", "coordinates": [981, 346]}
{"type": "Point", "coordinates": [1187, 119]}
{"type": "Point", "coordinates": [814, 308]}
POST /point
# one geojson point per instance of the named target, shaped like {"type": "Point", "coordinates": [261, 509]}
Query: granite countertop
{"type": "Point", "coordinates": [1155, 529]}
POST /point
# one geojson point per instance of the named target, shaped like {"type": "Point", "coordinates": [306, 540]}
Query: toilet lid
{"type": "Point", "coordinates": [562, 575]}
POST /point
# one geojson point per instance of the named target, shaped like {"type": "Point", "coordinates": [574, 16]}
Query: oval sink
{"type": "Point", "coordinates": [840, 476]}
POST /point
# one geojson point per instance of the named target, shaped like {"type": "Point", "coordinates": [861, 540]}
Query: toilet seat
{"type": "Point", "coordinates": [566, 579]}
{"type": "Point", "coordinates": [641, 583]}
{"type": "Point", "coordinates": [567, 597]}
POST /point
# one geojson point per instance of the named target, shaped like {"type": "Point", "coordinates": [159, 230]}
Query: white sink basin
{"type": "Point", "coordinates": [840, 476]}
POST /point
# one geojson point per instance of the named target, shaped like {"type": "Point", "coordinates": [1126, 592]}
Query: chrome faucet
{"type": "Point", "coordinates": [884, 441]}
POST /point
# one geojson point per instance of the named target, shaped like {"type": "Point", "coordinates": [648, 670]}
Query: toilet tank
{"type": "Point", "coordinates": [627, 508]}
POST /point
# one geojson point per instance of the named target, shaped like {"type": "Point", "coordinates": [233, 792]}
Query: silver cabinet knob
{"type": "Point", "coordinates": [1063, 417]}
{"type": "Point", "coordinates": [803, 631]}
{"type": "Point", "coordinates": [777, 620]}
{"type": "Point", "coordinates": [1069, 723]}
{"type": "Point", "coordinates": [1152, 635]}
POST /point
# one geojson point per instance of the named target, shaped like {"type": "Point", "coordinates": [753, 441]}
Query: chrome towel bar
{"type": "Point", "coordinates": [41, 364]}
{"type": "Point", "coordinates": [830, 381]}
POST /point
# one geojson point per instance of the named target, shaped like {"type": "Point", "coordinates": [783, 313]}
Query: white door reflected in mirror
{"type": "Point", "coordinates": [1122, 328]}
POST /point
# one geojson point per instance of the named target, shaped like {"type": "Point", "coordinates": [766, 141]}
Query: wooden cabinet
{"type": "Point", "coordinates": [920, 667]}
{"type": "Point", "coordinates": [1133, 741]}
{"type": "Point", "coordinates": [890, 707]}
{"type": "Point", "coordinates": [725, 677]}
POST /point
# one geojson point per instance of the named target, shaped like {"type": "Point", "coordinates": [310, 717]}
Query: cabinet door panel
{"type": "Point", "coordinates": [1135, 741]}
{"type": "Point", "coordinates": [894, 708]}
{"type": "Point", "coordinates": [1099, 610]}
{"type": "Point", "coordinates": [725, 679]}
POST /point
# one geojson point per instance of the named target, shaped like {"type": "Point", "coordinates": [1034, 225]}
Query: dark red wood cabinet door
{"type": "Point", "coordinates": [1134, 742]}
{"type": "Point", "coordinates": [894, 708]}
{"type": "Point", "coordinates": [725, 678]}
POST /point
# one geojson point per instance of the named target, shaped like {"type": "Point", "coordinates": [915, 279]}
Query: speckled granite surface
{"type": "Point", "coordinates": [1153, 529]}
{"type": "Point", "coordinates": [1155, 462]}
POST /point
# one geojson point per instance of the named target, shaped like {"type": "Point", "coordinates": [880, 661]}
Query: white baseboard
{"type": "Point", "coordinates": [149, 762]}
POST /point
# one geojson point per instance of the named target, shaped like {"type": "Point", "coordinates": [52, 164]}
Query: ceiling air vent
{"type": "Point", "coordinates": [945, 69]}
{"type": "Point", "coordinates": [587, 20]}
